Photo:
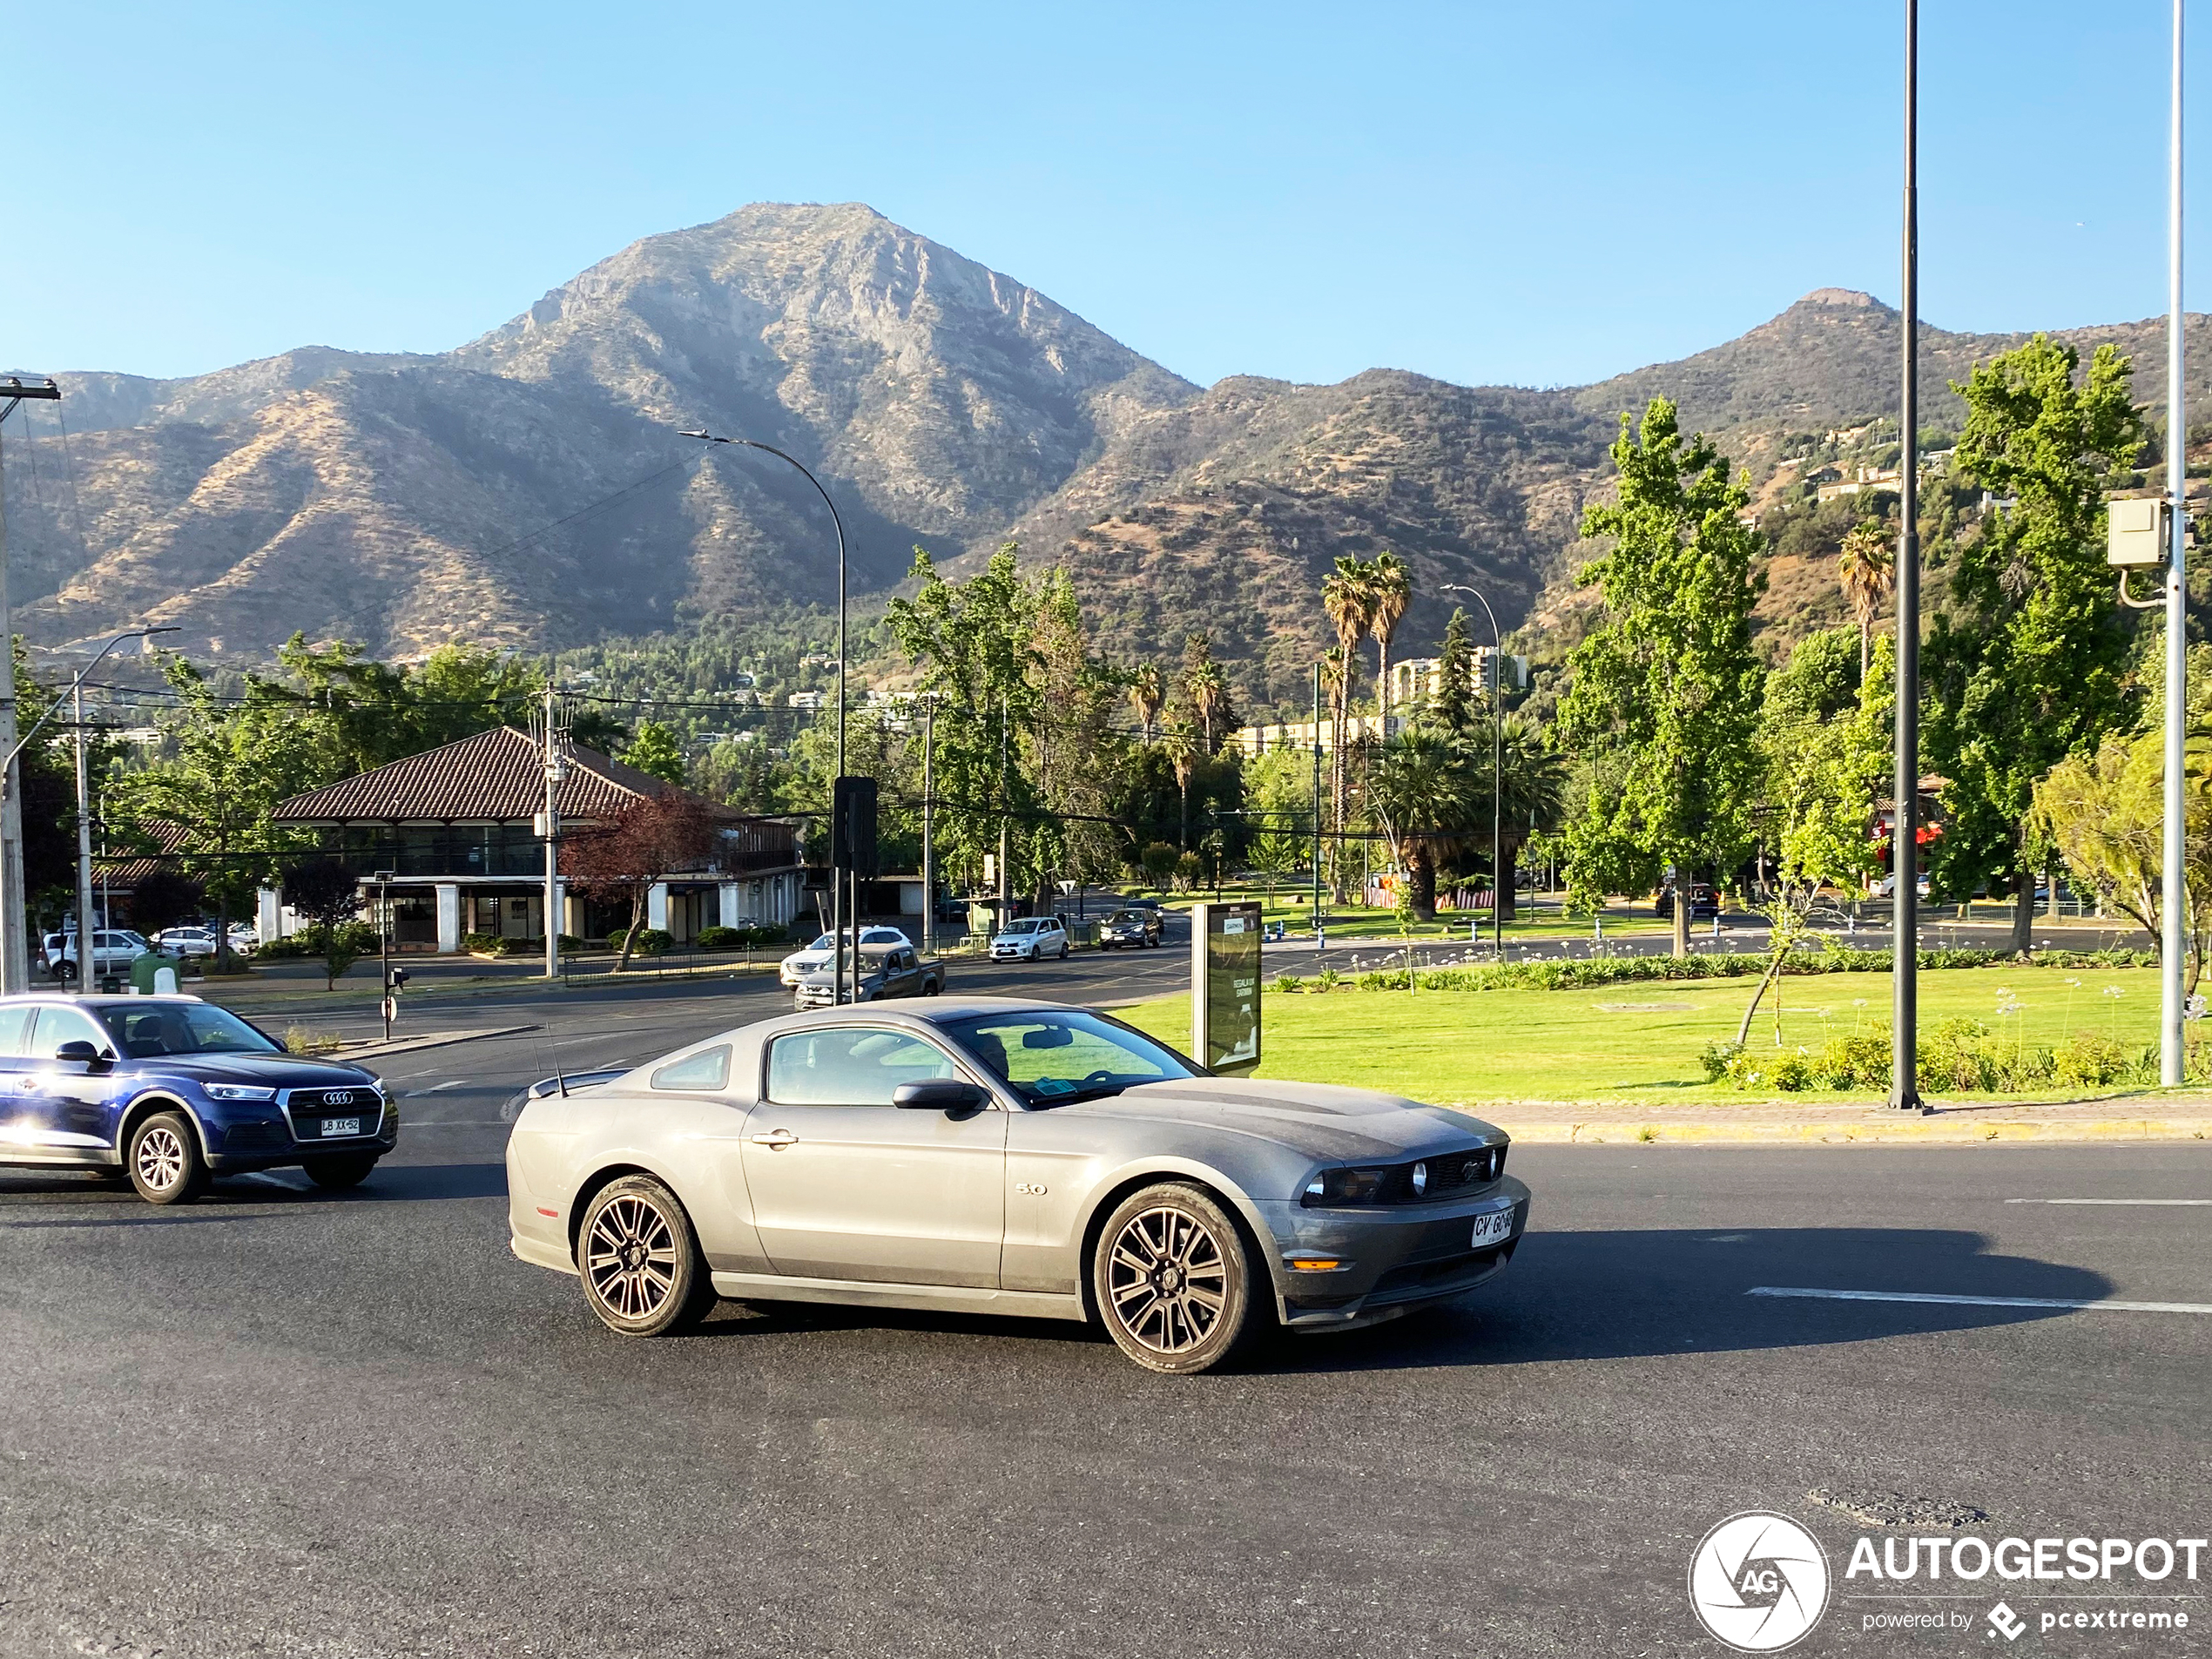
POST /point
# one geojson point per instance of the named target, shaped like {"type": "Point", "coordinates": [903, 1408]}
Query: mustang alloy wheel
{"type": "Point", "coordinates": [641, 1266]}
{"type": "Point", "coordinates": [1173, 1281]}
{"type": "Point", "coordinates": [163, 1160]}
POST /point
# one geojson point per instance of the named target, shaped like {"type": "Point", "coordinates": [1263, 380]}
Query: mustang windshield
{"type": "Point", "coordinates": [181, 1027]}
{"type": "Point", "coordinates": [1056, 1056]}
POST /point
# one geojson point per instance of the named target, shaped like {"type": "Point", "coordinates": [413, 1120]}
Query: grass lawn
{"type": "Point", "coordinates": [1638, 1041]}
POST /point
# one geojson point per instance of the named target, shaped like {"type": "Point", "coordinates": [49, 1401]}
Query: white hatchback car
{"type": "Point", "coordinates": [816, 956]}
{"type": "Point", "coordinates": [1029, 940]}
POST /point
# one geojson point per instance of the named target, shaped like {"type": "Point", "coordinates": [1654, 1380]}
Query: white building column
{"type": "Point", "coordinates": [448, 917]}
{"type": "Point", "coordinates": [269, 913]}
{"type": "Point", "coordinates": [732, 905]}
{"type": "Point", "coordinates": [656, 905]}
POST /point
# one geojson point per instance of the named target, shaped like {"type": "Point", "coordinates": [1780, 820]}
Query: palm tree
{"type": "Point", "coordinates": [1867, 570]}
{"type": "Point", "coordinates": [1336, 675]}
{"type": "Point", "coordinates": [1146, 692]}
{"type": "Point", "coordinates": [1425, 789]}
{"type": "Point", "coordinates": [1182, 745]}
{"type": "Point", "coordinates": [1208, 690]}
{"type": "Point", "coordinates": [1348, 600]}
{"type": "Point", "coordinates": [1533, 784]}
{"type": "Point", "coordinates": [1390, 586]}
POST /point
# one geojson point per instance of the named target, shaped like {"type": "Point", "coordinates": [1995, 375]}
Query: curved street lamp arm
{"type": "Point", "coordinates": [83, 674]}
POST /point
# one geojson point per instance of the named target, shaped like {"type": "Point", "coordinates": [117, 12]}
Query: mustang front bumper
{"type": "Point", "coordinates": [1390, 1258]}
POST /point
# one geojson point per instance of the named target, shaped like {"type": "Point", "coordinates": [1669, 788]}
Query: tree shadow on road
{"type": "Point", "coordinates": [1618, 1295]}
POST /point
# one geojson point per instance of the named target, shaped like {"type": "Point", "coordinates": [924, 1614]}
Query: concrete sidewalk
{"type": "Point", "coordinates": [2147, 1115]}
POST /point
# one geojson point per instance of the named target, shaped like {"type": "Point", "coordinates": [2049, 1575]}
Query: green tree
{"type": "Point", "coordinates": [1665, 696]}
{"type": "Point", "coordinates": [1390, 590]}
{"type": "Point", "coordinates": [1279, 787]}
{"type": "Point", "coordinates": [2026, 665]}
{"type": "Point", "coordinates": [653, 749]}
{"type": "Point", "coordinates": [1426, 790]}
{"type": "Point", "coordinates": [1534, 782]}
{"type": "Point", "coordinates": [327, 894]}
{"type": "Point", "coordinates": [1455, 699]}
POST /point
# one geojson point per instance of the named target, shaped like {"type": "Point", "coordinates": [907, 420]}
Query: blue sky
{"type": "Point", "coordinates": [1537, 194]}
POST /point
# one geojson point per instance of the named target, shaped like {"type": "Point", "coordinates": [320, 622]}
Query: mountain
{"type": "Point", "coordinates": [529, 488]}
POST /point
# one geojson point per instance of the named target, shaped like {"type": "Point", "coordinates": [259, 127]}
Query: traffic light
{"type": "Point", "coordinates": [394, 981]}
{"type": "Point", "coordinates": [853, 826]}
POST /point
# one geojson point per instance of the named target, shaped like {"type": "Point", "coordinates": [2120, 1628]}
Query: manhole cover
{"type": "Point", "coordinates": [1895, 1509]}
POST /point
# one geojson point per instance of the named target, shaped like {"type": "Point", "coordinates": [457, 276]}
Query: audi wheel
{"type": "Point", "coordinates": [640, 1261]}
{"type": "Point", "coordinates": [164, 1159]}
{"type": "Point", "coordinates": [1173, 1281]}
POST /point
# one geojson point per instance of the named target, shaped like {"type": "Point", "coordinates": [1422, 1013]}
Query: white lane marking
{"type": "Point", "coordinates": [439, 1088]}
{"type": "Point", "coordinates": [268, 1180]}
{"type": "Point", "coordinates": [2126, 1201]}
{"type": "Point", "coordinates": [1980, 1301]}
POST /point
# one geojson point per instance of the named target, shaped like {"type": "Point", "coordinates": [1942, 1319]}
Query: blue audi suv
{"type": "Point", "coordinates": [167, 1092]}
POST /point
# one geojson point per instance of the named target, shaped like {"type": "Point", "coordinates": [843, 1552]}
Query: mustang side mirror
{"type": "Point", "coordinates": [79, 1053]}
{"type": "Point", "coordinates": [940, 1095]}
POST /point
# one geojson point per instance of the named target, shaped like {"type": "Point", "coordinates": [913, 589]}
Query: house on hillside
{"type": "Point", "coordinates": [456, 828]}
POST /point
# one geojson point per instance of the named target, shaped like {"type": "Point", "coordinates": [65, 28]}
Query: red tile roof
{"type": "Point", "coordinates": [493, 777]}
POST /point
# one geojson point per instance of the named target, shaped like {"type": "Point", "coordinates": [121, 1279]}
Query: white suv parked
{"type": "Point", "coordinates": [1030, 940]}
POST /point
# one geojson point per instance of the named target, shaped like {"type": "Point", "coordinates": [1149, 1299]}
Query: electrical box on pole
{"type": "Point", "coordinates": [2139, 533]}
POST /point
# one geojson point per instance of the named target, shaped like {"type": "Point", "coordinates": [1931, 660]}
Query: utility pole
{"type": "Point", "coordinates": [554, 763]}
{"type": "Point", "coordinates": [2174, 917]}
{"type": "Point", "coordinates": [1006, 821]}
{"type": "Point", "coordinates": [929, 821]}
{"type": "Point", "coordinates": [1905, 837]}
{"type": "Point", "coordinates": [87, 951]}
{"type": "Point", "coordinates": [14, 941]}
{"type": "Point", "coordinates": [1317, 800]}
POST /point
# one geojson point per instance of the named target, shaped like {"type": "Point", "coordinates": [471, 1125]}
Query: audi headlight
{"type": "Point", "coordinates": [237, 1091]}
{"type": "Point", "coordinates": [1345, 1186]}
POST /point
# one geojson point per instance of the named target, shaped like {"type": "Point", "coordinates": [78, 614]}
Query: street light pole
{"type": "Point", "coordinates": [837, 887]}
{"type": "Point", "coordinates": [1498, 877]}
{"type": "Point", "coordinates": [15, 944]}
{"type": "Point", "coordinates": [2174, 918]}
{"type": "Point", "coordinates": [1905, 839]}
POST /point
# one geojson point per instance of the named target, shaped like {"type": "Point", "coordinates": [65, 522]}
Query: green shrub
{"type": "Point", "coordinates": [1715, 1059]}
{"type": "Point", "coordinates": [482, 944]}
{"type": "Point", "coordinates": [721, 938]}
{"type": "Point", "coordinates": [1288, 983]}
{"type": "Point", "coordinates": [2086, 1058]}
{"type": "Point", "coordinates": [653, 941]}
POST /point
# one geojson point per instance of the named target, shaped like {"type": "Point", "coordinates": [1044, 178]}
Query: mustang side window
{"type": "Point", "coordinates": [850, 1066]}
{"type": "Point", "coordinates": [707, 1070]}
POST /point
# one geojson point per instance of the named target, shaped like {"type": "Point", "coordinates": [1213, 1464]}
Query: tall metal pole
{"type": "Point", "coordinates": [1318, 831]}
{"type": "Point", "coordinates": [87, 951]}
{"type": "Point", "coordinates": [1904, 840]}
{"type": "Point", "coordinates": [15, 938]}
{"type": "Point", "coordinates": [554, 764]}
{"type": "Point", "coordinates": [2174, 918]}
{"type": "Point", "coordinates": [928, 821]}
{"type": "Point", "coordinates": [837, 895]}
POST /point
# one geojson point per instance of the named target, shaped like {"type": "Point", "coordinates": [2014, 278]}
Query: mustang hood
{"type": "Point", "coordinates": [1320, 1119]}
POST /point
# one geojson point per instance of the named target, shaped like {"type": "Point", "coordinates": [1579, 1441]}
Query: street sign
{"type": "Point", "coordinates": [853, 826]}
{"type": "Point", "coordinates": [1224, 986]}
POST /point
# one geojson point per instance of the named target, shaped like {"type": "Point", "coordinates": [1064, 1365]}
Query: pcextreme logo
{"type": "Point", "coordinates": [1758, 1582]}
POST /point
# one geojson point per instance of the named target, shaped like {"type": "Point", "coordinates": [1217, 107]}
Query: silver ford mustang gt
{"type": "Point", "coordinates": [991, 1155]}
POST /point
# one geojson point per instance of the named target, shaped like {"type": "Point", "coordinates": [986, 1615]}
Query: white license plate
{"type": "Point", "coordinates": [1492, 1228]}
{"type": "Point", "coordinates": [340, 1126]}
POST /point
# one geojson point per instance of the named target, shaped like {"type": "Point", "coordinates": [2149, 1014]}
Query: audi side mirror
{"type": "Point", "coordinates": [940, 1095]}
{"type": "Point", "coordinates": [79, 1053]}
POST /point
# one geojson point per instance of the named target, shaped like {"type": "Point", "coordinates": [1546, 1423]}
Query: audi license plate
{"type": "Point", "coordinates": [340, 1126]}
{"type": "Point", "coordinates": [1492, 1228]}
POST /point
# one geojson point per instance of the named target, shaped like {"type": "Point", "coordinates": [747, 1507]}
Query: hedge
{"type": "Point", "coordinates": [1574, 973]}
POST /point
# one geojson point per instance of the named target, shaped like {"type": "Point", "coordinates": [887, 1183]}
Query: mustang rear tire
{"type": "Point", "coordinates": [163, 1160]}
{"type": "Point", "coordinates": [340, 1170]}
{"type": "Point", "coordinates": [640, 1261]}
{"type": "Point", "coordinates": [1176, 1288]}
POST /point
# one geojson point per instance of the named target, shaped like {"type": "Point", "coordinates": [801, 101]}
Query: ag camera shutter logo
{"type": "Point", "coordinates": [1758, 1582]}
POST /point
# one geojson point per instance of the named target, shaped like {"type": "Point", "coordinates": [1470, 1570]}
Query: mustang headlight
{"type": "Point", "coordinates": [1346, 1186]}
{"type": "Point", "coordinates": [237, 1091]}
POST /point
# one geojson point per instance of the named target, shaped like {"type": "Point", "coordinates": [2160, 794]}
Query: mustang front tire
{"type": "Point", "coordinates": [643, 1273]}
{"type": "Point", "coordinates": [163, 1160]}
{"type": "Point", "coordinates": [1176, 1288]}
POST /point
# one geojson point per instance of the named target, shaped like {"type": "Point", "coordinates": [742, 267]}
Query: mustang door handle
{"type": "Point", "coordinates": [778, 1138]}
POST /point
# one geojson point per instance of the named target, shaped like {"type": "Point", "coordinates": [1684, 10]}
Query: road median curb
{"type": "Point", "coordinates": [428, 1040]}
{"type": "Point", "coordinates": [1852, 1132]}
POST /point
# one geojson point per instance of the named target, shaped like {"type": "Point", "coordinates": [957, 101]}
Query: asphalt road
{"type": "Point", "coordinates": [282, 1422]}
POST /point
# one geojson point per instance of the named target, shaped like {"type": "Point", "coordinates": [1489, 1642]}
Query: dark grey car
{"type": "Point", "coordinates": [1137, 926]}
{"type": "Point", "coordinates": [992, 1155]}
{"type": "Point", "coordinates": [901, 971]}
